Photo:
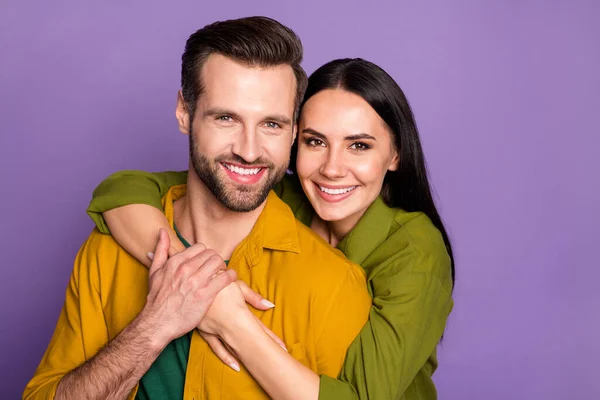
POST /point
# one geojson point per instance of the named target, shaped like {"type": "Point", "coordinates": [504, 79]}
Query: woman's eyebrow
{"type": "Point", "coordinates": [313, 132]}
{"type": "Point", "coordinates": [360, 136]}
{"type": "Point", "coordinates": [357, 136]}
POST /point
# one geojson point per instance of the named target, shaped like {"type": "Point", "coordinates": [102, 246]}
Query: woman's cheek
{"type": "Point", "coordinates": [306, 163]}
{"type": "Point", "coordinates": [368, 170]}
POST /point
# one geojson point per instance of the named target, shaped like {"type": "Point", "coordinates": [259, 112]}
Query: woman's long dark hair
{"type": "Point", "coordinates": [407, 187]}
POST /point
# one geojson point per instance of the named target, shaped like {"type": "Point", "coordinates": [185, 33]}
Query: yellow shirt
{"type": "Point", "coordinates": [321, 297]}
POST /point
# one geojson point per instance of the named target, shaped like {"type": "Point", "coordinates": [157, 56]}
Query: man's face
{"type": "Point", "coordinates": [242, 131]}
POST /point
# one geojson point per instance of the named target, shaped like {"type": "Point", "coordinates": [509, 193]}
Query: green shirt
{"type": "Point", "coordinates": [408, 277]}
{"type": "Point", "coordinates": [165, 379]}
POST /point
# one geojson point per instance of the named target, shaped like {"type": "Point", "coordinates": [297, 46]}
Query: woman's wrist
{"type": "Point", "coordinates": [240, 329]}
{"type": "Point", "coordinates": [279, 374]}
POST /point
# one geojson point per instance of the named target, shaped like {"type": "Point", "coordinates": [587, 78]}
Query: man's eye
{"type": "Point", "coordinates": [272, 125]}
{"type": "Point", "coordinates": [225, 118]}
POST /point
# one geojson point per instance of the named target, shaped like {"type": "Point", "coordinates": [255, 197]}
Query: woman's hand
{"type": "Point", "coordinates": [230, 305]}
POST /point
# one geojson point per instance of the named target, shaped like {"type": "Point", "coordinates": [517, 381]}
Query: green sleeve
{"type": "Point", "coordinates": [290, 191]}
{"type": "Point", "coordinates": [131, 187]}
{"type": "Point", "coordinates": [389, 357]}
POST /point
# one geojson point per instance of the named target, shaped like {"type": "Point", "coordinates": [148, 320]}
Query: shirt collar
{"type": "Point", "coordinates": [372, 230]}
{"type": "Point", "coordinates": [275, 228]}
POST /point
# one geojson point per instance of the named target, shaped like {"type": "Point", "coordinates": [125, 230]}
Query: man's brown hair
{"type": "Point", "coordinates": [252, 41]}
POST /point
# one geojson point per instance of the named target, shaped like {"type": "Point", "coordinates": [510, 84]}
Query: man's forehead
{"type": "Point", "coordinates": [222, 70]}
{"type": "Point", "coordinates": [230, 83]}
{"type": "Point", "coordinates": [222, 61]}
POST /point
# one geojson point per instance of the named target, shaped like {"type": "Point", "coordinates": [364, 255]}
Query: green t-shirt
{"type": "Point", "coordinates": [165, 380]}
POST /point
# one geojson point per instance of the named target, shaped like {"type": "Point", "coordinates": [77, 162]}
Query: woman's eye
{"type": "Point", "coordinates": [360, 146]}
{"type": "Point", "coordinates": [315, 142]}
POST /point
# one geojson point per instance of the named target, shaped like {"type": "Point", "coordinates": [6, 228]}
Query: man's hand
{"type": "Point", "coordinates": [180, 292]}
{"type": "Point", "coordinates": [182, 288]}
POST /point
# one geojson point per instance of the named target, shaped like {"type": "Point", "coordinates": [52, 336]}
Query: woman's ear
{"type": "Point", "coordinates": [395, 163]}
{"type": "Point", "coordinates": [294, 132]}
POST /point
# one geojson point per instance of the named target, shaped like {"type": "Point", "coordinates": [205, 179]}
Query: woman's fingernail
{"type": "Point", "coordinates": [267, 303]}
{"type": "Point", "coordinates": [235, 367]}
{"type": "Point", "coordinates": [283, 347]}
{"type": "Point", "coordinates": [150, 256]}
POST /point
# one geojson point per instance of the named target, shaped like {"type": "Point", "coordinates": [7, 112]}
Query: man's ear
{"type": "Point", "coordinates": [182, 114]}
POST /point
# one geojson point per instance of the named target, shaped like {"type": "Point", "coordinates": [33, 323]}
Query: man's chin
{"type": "Point", "coordinates": [241, 206]}
{"type": "Point", "coordinates": [244, 199]}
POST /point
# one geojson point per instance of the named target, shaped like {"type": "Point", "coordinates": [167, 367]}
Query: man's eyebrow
{"type": "Point", "coordinates": [357, 136]}
{"type": "Point", "coordinates": [279, 118]}
{"type": "Point", "coordinates": [213, 112]}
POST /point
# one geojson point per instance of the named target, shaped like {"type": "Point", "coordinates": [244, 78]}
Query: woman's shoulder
{"type": "Point", "coordinates": [415, 227]}
{"type": "Point", "coordinates": [382, 224]}
{"type": "Point", "coordinates": [413, 236]}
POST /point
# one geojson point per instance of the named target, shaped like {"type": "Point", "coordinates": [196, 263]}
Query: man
{"type": "Point", "coordinates": [120, 325]}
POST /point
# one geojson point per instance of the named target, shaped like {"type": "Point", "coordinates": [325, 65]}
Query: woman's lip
{"type": "Point", "coordinates": [334, 187]}
{"type": "Point", "coordinates": [335, 198]}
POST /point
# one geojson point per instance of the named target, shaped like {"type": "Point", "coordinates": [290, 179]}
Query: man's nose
{"type": "Point", "coordinates": [247, 145]}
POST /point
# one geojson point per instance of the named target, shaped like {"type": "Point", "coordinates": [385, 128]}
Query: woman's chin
{"type": "Point", "coordinates": [329, 215]}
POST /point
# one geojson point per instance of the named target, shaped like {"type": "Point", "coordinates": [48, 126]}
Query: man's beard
{"type": "Point", "coordinates": [235, 197]}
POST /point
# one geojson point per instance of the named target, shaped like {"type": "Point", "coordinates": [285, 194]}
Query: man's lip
{"type": "Point", "coordinates": [244, 166]}
{"type": "Point", "coordinates": [245, 179]}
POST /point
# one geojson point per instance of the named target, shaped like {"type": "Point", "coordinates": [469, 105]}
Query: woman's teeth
{"type": "Point", "coordinates": [337, 191]}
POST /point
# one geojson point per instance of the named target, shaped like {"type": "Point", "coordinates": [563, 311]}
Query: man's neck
{"type": "Point", "coordinates": [201, 218]}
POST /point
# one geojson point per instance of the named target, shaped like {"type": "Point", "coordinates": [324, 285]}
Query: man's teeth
{"type": "Point", "coordinates": [337, 191]}
{"type": "Point", "coordinates": [242, 171]}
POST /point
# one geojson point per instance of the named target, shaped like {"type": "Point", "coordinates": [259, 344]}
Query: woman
{"type": "Point", "coordinates": [360, 182]}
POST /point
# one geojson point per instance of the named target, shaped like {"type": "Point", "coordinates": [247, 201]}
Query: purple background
{"type": "Point", "coordinates": [505, 96]}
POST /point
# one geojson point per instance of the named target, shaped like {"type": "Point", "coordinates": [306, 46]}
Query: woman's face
{"type": "Point", "coordinates": [344, 152]}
